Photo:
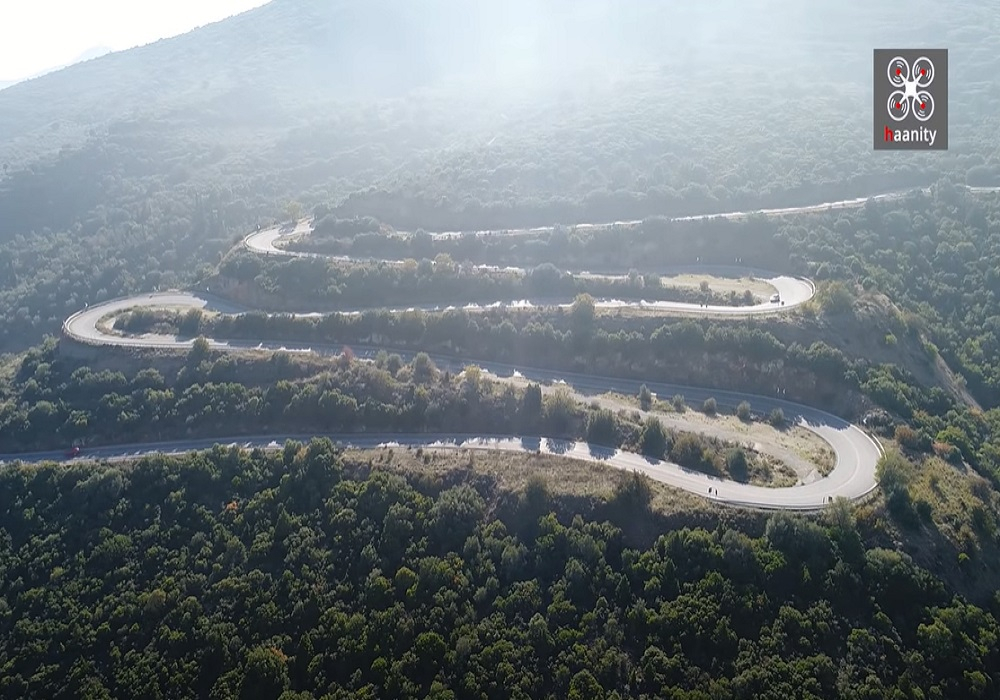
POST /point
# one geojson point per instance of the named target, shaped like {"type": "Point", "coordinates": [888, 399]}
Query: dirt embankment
{"type": "Point", "coordinates": [252, 296]}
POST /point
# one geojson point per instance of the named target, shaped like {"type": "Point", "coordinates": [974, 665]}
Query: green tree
{"type": "Point", "coordinates": [424, 369]}
{"type": "Point", "coordinates": [835, 298]}
{"type": "Point", "coordinates": [602, 428]}
{"type": "Point", "coordinates": [265, 676]}
{"type": "Point", "coordinates": [531, 405]}
{"type": "Point", "coordinates": [536, 494]}
{"type": "Point", "coordinates": [654, 440]}
{"type": "Point", "coordinates": [560, 410]}
{"type": "Point", "coordinates": [191, 322]}
{"type": "Point", "coordinates": [585, 687]}
{"type": "Point", "coordinates": [633, 492]}
{"type": "Point", "coordinates": [200, 351]}
{"type": "Point", "coordinates": [583, 312]}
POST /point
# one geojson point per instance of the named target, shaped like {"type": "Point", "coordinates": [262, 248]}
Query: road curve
{"type": "Point", "coordinates": [856, 452]}
{"type": "Point", "coordinates": [804, 499]}
{"type": "Point", "coordinates": [793, 291]}
{"type": "Point", "coordinates": [303, 228]}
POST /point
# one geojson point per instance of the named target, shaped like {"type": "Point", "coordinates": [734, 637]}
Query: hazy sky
{"type": "Point", "coordinates": [39, 34]}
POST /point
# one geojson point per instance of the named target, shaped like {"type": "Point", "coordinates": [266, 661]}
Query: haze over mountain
{"type": "Point", "coordinates": [289, 54]}
{"type": "Point", "coordinates": [451, 114]}
{"type": "Point", "coordinates": [89, 54]}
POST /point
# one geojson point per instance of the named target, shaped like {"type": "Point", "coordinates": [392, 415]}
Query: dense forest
{"type": "Point", "coordinates": [294, 574]}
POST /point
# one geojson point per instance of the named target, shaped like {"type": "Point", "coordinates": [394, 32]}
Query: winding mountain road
{"type": "Point", "coordinates": [793, 291]}
{"type": "Point", "coordinates": [856, 452]}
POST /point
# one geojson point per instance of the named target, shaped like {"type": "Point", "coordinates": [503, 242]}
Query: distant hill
{"type": "Point", "coordinates": [296, 82]}
{"type": "Point", "coordinates": [279, 61]}
{"type": "Point", "coordinates": [90, 54]}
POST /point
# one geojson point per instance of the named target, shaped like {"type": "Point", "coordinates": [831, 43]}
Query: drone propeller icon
{"type": "Point", "coordinates": [913, 94]}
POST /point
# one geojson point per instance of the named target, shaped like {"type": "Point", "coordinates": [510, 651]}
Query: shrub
{"type": "Point", "coordinates": [633, 492]}
{"type": "Point", "coordinates": [907, 437]}
{"type": "Point", "coordinates": [689, 452]}
{"type": "Point", "coordinates": [653, 442]}
{"type": "Point", "coordinates": [736, 464]}
{"type": "Point", "coordinates": [743, 410]}
{"type": "Point", "coordinates": [924, 509]}
{"type": "Point", "coordinates": [777, 418]}
{"type": "Point", "coordinates": [602, 428]}
{"type": "Point", "coordinates": [710, 406]}
{"type": "Point", "coordinates": [947, 452]}
{"type": "Point", "coordinates": [645, 398]}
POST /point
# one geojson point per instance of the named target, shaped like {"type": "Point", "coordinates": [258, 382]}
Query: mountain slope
{"type": "Point", "coordinates": [292, 54]}
{"type": "Point", "coordinates": [131, 170]}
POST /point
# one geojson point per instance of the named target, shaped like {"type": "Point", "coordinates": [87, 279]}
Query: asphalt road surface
{"type": "Point", "coordinates": [799, 498]}
{"type": "Point", "coordinates": [304, 227]}
{"type": "Point", "coordinates": [852, 477]}
{"type": "Point", "coordinates": [856, 452]}
{"type": "Point", "coordinates": [793, 291]}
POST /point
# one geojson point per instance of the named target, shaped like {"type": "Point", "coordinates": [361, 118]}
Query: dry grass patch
{"type": "Point", "coordinates": [511, 470]}
{"type": "Point", "coordinates": [768, 471]}
{"type": "Point", "coordinates": [793, 439]}
{"type": "Point", "coordinates": [758, 287]}
{"type": "Point", "coordinates": [962, 505]}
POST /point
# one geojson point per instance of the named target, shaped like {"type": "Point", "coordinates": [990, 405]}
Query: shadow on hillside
{"type": "Point", "coordinates": [531, 444]}
{"type": "Point", "coordinates": [971, 572]}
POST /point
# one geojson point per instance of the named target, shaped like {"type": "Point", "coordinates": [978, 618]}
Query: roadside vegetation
{"type": "Point", "coordinates": [311, 284]}
{"type": "Point", "coordinates": [740, 356]}
{"type": "Point", "coordinates": [931, 255]}
{"type": "Point", "coordinates": [52, 396]}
